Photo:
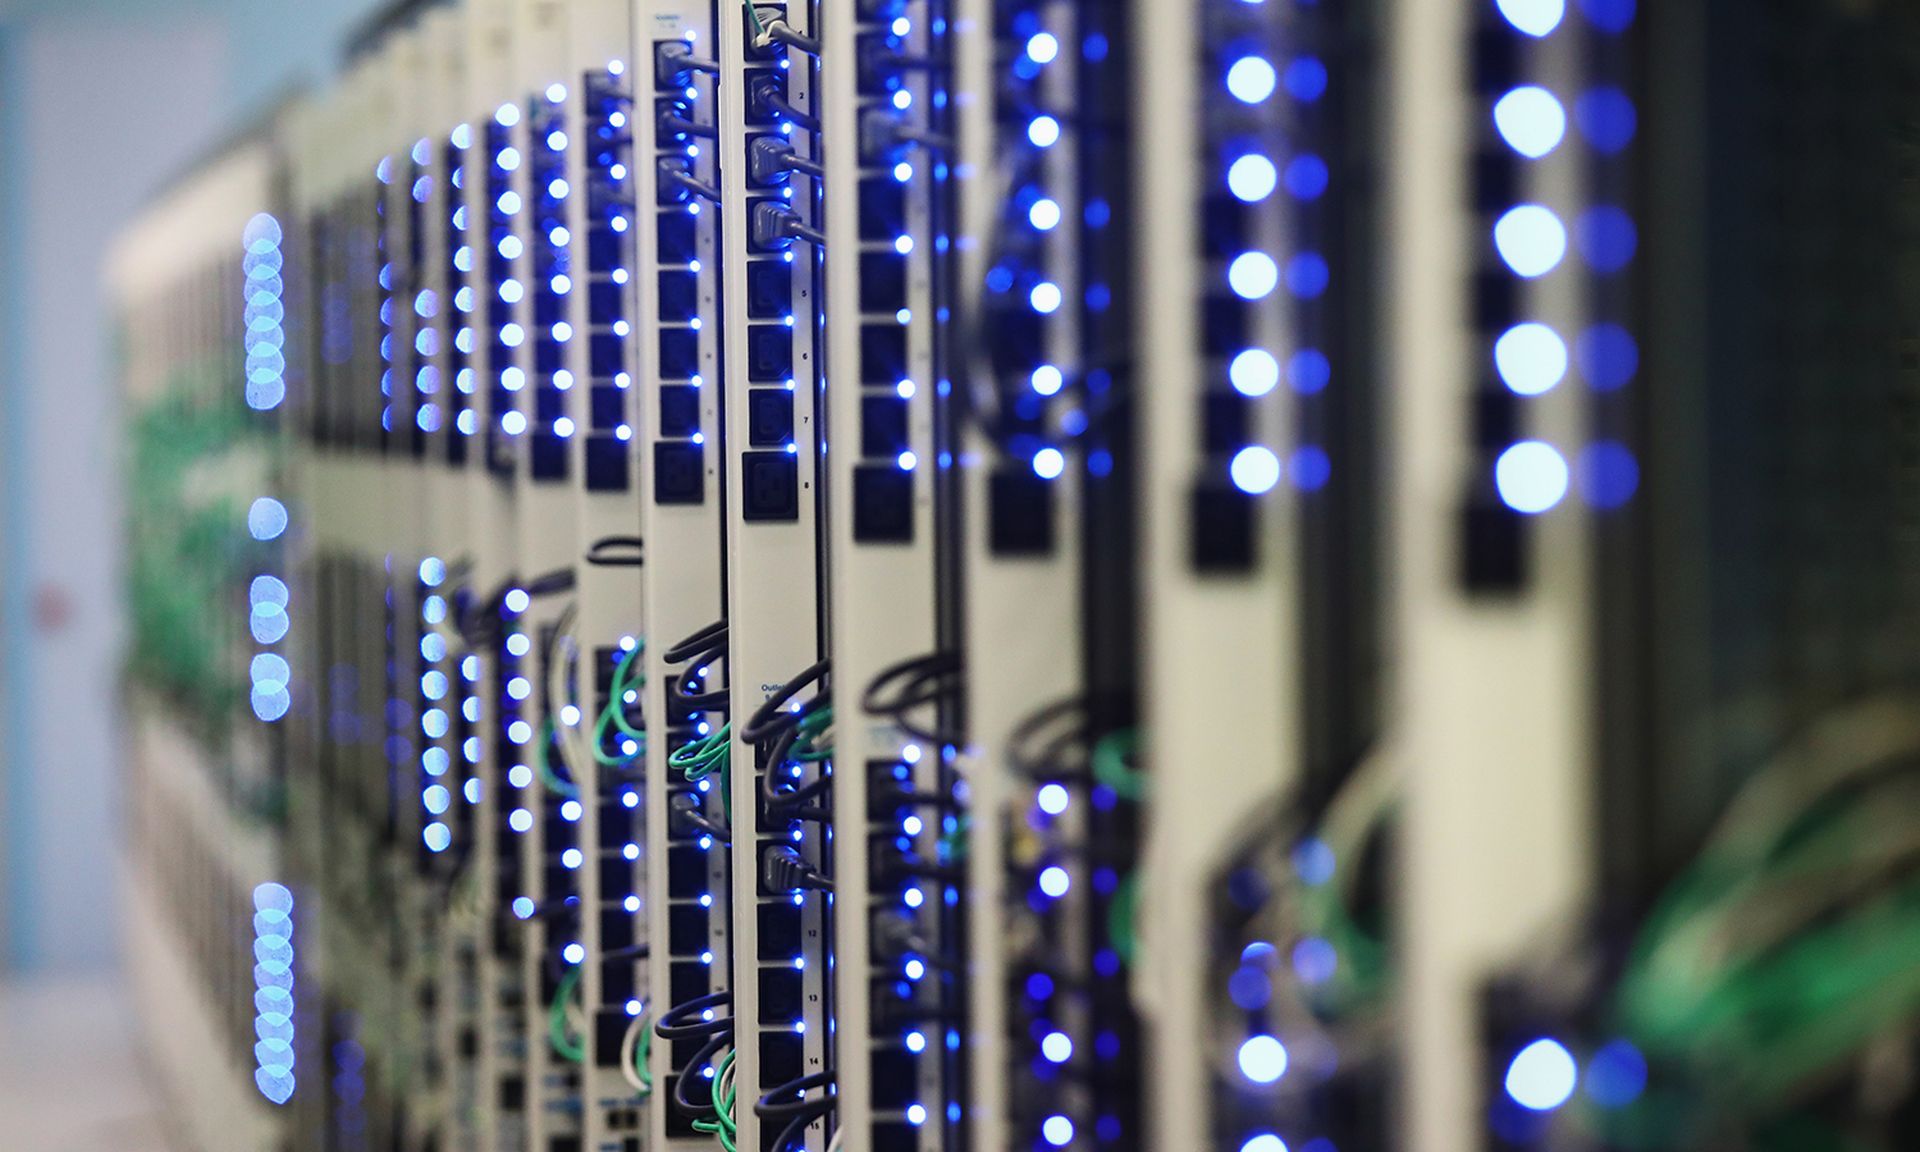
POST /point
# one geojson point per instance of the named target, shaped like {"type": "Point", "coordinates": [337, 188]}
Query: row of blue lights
{"type": "Point", "coordinates": [1544, 1074]}
{"type": "Point", "coordinates": [460, 294]}
{"type": "Point", "coordinates": [264, 315]}
{"type": "Point", "coordinates": [1607, 354]}
{"type": "Point", "coordinates": [551, 275]}
{"type": "Point", "coordinates": [604, 113]}
{"type": "Point", "coordinates": [1253, 176]}
{"type": "Point", "coordinates": [1532, 241]}
{"type": "Point", "coordinates": [1043, 295]}
{"type": "Point", "coordinates": [504, 290]}
{"type": "Point", "coordinates": [383, 172]}
{"type": "Point", "coordinates": [515, 648]}
{"type": "Point", "coordinates": [427, 416]}
{"type": "Point", "coordinates": [273, 962]}
{"type": "Point", "coordinates": [437, 690]}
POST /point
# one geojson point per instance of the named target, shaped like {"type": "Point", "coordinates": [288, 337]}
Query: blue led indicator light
{"type": "Point", "coordinates": [1255, 470]}
{"type": "Point", "coordinates": [266, 519]}
{"type": "Point", "coordinates": [1617, 1075]}
{"type": "Point", "coordinates": [1254, 372]}
{"type": "Point", "coordinates": [1262, 1059]}
{"type": "Point", "coordinates": [1534, 17]}
{"type": "Point", "coordinates": [1609, 357]}
{"type": "Point", "coordinates": [1253, 275]}
{"type": "Point", "coordinates": [1531, 239]}
{"type": "Point", "coordinates": [1307, 177]}
{"type": "Point", "coordinates": [1607, 238]}
{"type": "Point", "coordinates": [1251, 79]}
{"type": "Point", "coordinates": [1531, 358]}
{"type": "Point", "coordinates": [1613, 16]}
{"type": "Point", "coordinates": [1542, 1076]}
{"type": "Point", "coordinates": [1609, 474]}
{"type": "Point", "coordinates": [1252, 178]}
{"type": "Point", "coordinates": [1306, 79]}
{"type": "Point", "coordinates": [1531, 121]}
{"type": "Point", "coordinates": [1607, 118]}
{"type": "Point", "coordinates": [1531, 477]}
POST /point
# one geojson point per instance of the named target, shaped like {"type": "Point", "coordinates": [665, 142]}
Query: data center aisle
{"type": "Point", "coordinates": [70, 1076]}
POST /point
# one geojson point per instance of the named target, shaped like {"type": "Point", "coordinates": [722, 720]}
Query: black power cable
{"type": "Point", "coordinates": [699, 650]}
{"type": "Point", "coordinates": [1043, 746]}
{"type": "Point", "coordinates": [617, 552]}
{"type": "Point", "coordinates": [910, 685]}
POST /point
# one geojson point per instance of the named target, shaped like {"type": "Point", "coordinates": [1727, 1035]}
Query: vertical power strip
{"type": "Point", "coordinates": [1222, 554]}
{"type": "Point", "coordinates": [489, 523]}
{"type": "Point", "coordinates": [887, 124]}
{"type": "Point", "coordinates": [1019, 295]}
{"type": "Point", "coordinates": [605, 730]}
{"type": "Point", "coordinates": [678, 349]}
{"type": "Point", "coordinates": [551, 857]}
{"type": "Point", "coordinates": [1492, 599]}
{"type": "Point", "coordinates": [772, 309]}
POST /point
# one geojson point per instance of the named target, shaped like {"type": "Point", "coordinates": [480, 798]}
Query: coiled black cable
{"type": "Point", "coordinates": [1041, 747]}
{"type": "Point", "coordinates": [924, 681]}
{"type": "Point", "coordinates": [700, 650]}
{"type": "Point", "coordinates": [769, 718]}
{"type": "Point", "coordinates": [617, 552]}
{"type": "Point", "coordinates": [690, 1075]}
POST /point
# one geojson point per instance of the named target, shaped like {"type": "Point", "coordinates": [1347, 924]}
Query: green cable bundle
{"type": "Point", "coordinates": [722, 1125]}
{"type": "Point", "coordinates": [706, 756]}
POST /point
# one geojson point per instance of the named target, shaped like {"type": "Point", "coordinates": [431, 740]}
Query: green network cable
{"type": "Point", "coordinates": [1779, 1019]}
{"type": "Point", "coordinates": [614, 716]}
{"type": "Point", "coordinates": [567, 1046]}
{"type": "Point", "coordinates": [1112, 766]}
{"type": "Point", "coordinates": [1364, 965]}
{"type": "Point", "coordinates": [1685, 980]}
{"type": "Point", "coordinates": [810, 727]}
{"type": "Point", "coordinates": [1762, 1020]}
{"type": "Point", "coordinates": [542, 764]}
{"type": "Point", "coordinates": [953, 842]}
{"type": "Point", "coordinates": [722, 1125]}
{"type": "Point", "coordinates": [706, 756]}
{"type": "Point", "coordinates": [623, 679]}
{"type": "Point", "coordinates": [1122, 911]}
